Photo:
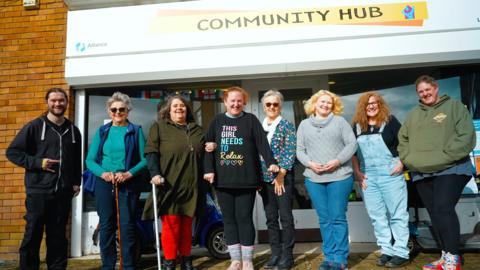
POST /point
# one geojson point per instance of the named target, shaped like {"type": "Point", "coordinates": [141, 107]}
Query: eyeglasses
{"type": "Point", "coordinates": [120, 110]}
{"type": "Point", "coordinates": [372, 104]}
{"type": "Point", "coordinates": [275, 104]}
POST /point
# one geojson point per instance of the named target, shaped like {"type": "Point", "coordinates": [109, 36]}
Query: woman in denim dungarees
{"type": "Point", "coordinates": [379, 172]}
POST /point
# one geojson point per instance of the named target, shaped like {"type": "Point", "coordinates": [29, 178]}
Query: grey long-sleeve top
{"type": "Point", "coordinates": [324, 140]}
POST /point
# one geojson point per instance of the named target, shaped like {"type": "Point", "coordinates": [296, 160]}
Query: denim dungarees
{"type": "Point", "coordinates": [386, 195]}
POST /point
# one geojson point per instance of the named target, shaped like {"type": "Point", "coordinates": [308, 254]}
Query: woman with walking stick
{"type": "Point", "coordinates": [115, 157]}
{"type": "Point", "coordinates": [174, 151]}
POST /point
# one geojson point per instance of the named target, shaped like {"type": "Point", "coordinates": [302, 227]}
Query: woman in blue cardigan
{"type": "Point", "coordinates": [277, 189]}
{"type": "Point", "coordinates": [115, 156]}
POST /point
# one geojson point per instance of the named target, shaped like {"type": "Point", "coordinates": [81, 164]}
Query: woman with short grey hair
{"type": "Point", "coordinates": [119, 97]}
{"type": "Point", "coordinates": [277, 188]}
{"type": "Point", "coordinates": [115, 157]}
{"type": "Point", "coordinates": [273, 93]}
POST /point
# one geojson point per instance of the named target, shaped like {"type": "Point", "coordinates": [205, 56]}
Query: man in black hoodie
{"type": "Point", "coordinates": [49, 148]}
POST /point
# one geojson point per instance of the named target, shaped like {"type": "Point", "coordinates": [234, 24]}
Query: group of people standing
{"type": "Point", "coordinates": [239, 155]}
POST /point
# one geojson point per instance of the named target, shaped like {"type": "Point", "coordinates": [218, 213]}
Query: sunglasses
{"type": "Point", "coordinates": [120, 110]}
{"type": "Point", "coordinates": [269, 104]}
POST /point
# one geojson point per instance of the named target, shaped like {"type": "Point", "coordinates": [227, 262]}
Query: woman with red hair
{"type": "Point", "coordinates": [379, 172]}
{"type": "Point", "coordinates": [235, 169]}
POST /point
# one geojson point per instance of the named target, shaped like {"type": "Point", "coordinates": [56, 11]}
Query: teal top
{"type": "Point", "coordinates": [113, 154]}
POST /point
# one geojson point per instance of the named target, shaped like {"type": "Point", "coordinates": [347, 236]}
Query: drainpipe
{"type": "Point", "coordinates": [77, 203]}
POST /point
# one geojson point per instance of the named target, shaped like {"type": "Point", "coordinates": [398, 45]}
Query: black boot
{"type": "Point", "coordinates": [272, 262]}
{"type": "Point", "coordinates": [169, 264]}
{"type": "Point", "coordinates": [286, 262]}
{"type": "Point", "coordinates": [186, 263]}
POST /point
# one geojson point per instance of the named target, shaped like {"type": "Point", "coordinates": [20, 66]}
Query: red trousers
{"type": "Point", "coordinates": [176, 236]}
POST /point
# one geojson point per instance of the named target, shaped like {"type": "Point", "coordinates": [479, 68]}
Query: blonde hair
{"type": "Point", "coordinates": [309, 106]}
{"type": "Point", "coordinates": [360, 115]}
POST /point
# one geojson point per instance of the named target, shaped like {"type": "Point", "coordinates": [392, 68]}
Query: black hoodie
{"type": "Point", "coordinates": [41, 139]}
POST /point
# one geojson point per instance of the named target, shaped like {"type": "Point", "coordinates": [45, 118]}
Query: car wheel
{"type": "Point", "coordinates": [413, 246]}
{"type": "Point", "coordinates": [476, 229]}
{"type": "Point", "coordinates": [216, 244]}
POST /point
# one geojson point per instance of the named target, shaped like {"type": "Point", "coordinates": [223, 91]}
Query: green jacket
{"type": "Point", "coordinates": [434, 138]}
{"type": "Point", "coordinates": [180, 153]}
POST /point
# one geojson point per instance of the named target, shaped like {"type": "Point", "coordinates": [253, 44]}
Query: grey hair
{"type": "Point", "coordinates": [273, 93]}
{"type": "Point", "coordinates": [117, 96]}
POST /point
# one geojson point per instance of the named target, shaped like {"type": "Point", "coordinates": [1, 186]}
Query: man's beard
{"type": "Point", "coordinates": [61, 113]}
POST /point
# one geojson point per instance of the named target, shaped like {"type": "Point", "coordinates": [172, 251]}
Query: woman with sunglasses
{"type": "Point", "coordinates": [277, 189]}
{"type": "Point", "coordinates": [115, 156]}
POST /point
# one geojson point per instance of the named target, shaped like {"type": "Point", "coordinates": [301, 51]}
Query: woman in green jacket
{"type": "Point", "coordinates": [174, 151]}
{"type": "Point", "coordinates": [434, 143]}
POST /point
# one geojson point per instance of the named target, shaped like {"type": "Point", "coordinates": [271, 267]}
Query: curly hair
{"type": "Point", "coordinates": [244, 93]}
{"type": "Point", "coordinates": [309, 106]}
{"type": "Point", "coordinates": [360, 115]}
{"type": "Point", "coordinates": [164, 109]}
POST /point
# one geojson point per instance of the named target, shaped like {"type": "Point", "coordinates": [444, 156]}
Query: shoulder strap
{"type": "Point", "coordinates": [382, 127]}
{"type": "Point", "coordinates": [358, 129]}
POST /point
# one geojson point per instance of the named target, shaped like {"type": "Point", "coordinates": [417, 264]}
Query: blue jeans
{"type": "Point", "coordinates": [107, 212]}
{"type": "Point", "coordinates": [330, 201]}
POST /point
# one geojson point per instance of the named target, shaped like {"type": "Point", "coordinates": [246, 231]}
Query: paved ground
{"type": "Point", "coordinates": [307, 256]}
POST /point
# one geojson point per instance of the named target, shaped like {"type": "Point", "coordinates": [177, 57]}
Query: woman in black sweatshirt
{"type": "Point", "coordinates": [234, 167]}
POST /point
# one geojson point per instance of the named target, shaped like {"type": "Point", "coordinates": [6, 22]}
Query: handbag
{"type": "Point", "coordinates": [89, 182]}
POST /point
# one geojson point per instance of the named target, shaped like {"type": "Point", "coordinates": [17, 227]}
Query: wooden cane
{"type": "Point", "coordinates": [118, 226]}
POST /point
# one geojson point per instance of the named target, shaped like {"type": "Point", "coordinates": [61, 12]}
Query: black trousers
{"type": "Point", "coordinates": [47, 212]}
{"type": "Point", "coordinates": [237, 211]}
{"type": "Point", "coordinates": [279, 206]}
{"type": "Point", "coordinates": [440, 194]}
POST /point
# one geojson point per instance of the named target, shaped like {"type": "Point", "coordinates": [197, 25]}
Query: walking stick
{"type": "Point", "coordinates": [118, 226]}
{"type": "Point", "coordinates": [157, 241]}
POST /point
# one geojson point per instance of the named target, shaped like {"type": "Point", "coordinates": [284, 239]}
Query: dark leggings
{"type": "Point", "coordinates": [440, 194]}
{"type": "Point", "coordinates": [237, 211]}
{"type": "Point", "coordinates": [281, 240]}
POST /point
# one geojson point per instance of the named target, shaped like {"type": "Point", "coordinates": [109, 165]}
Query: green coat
{"type": "Point", "coordinates": [180, 152]}
{"type": "Point", "coordinates": [434, 138]}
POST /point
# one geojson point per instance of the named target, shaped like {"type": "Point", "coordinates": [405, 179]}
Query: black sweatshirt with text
{"type": "Point", "coordinates": [240, 143]}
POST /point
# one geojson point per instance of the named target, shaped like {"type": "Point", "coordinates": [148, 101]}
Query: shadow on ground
{"type": "Point", "coordinates": [358, 261]}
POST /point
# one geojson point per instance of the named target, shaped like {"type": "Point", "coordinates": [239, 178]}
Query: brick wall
{"type": "Point", "coordinates": [32, 59]}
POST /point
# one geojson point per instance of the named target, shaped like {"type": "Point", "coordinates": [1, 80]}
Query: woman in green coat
{"type": "Point", "coordinates": [174, 152]}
